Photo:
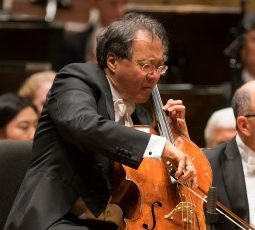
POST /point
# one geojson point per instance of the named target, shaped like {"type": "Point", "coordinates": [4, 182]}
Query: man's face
{"type": "Point", "coordinates": [251, 121]}
{"type": "Point", "coordinates": [248, 51]}
{"type": "Point", "coordinates": [133, 83]}
{"type": "Point", "coordinates": [110, 10]}
{"type": "Point", "coordinates": [245, 123]}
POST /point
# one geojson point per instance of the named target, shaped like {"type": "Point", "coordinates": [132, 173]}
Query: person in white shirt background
{"type": "Point", "coordinates": [220, 127]}
{"type": "Point", "coordinates": [233, 162]}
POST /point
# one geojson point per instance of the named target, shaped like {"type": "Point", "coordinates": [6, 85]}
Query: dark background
{"type": "Point", "coordinates": [197, 65]}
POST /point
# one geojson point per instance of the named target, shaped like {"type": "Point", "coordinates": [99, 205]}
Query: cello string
{"type": "Point", "coordinates": [190, 215]}
{"type": "Point", "coordinates": [165, 131]}
{"type": "Point", "coordinates": [182, 202]}
{"type": "Point", "coordinates": [191, 211]}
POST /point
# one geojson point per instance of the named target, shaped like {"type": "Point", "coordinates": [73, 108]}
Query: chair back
{"type": "Point", "coordinates": [14, 160]}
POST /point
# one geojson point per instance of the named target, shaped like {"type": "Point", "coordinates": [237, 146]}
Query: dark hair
{"type": "Point", "coordinates": [241, 102]}
{"type": "Point", "coordinates": [118, 36]}
{"type": "Point", "coordinates": [10, 105]}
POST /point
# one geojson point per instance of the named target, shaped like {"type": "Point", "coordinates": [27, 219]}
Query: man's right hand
{"type": "Point", "coordinates": [185, 170]}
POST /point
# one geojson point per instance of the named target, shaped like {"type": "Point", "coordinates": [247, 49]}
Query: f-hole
{"type": "Point", "coordinates": [145, 226]}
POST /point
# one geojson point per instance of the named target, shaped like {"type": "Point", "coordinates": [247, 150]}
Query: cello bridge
{"type": "Point", "coordinates": [183, 213]}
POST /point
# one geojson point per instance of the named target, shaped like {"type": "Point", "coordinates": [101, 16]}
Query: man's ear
{"type": "Point", "coordinates": [111, 62]}
{"type": "Point", "coordinates": [243, 125]}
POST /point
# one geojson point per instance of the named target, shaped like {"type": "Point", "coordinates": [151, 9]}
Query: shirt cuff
{"type": "Point", "coordinates": [155, 146]}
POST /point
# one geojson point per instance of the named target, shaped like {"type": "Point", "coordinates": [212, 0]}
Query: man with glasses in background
{"type": "Point", "coordinates": [83, 130]}
{"type": "Point", "coordinates": [233, 163]}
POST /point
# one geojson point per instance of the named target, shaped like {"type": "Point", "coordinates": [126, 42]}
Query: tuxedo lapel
{"type": "Point", "coordinates": [106, 90]}
{"type": "Point", "coordinates": [234, 181]}
{"type": "Point", "coordinates": [109, 105]}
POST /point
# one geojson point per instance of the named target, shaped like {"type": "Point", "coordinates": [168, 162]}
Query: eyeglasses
{"type": "Point", "coordinates": [150, 68]}
{"type": "Point", "coordinates": [249, 115]}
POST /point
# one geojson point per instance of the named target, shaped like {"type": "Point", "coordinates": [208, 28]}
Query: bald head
{"type": "Point", "coordinates": [243, 104]}
{"type": "Point", "coordinates": [248, 86]}
{"type": "Point", "coordinates": [243, 101]}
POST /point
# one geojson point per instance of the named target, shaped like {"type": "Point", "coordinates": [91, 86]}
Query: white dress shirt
{"type": "Point", "coordinates": [248, 162]}
{"type": "Point", "coordinates": [156, 143]}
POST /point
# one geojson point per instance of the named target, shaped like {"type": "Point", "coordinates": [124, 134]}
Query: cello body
{"type": "Point", "coordinates": [151, 199]}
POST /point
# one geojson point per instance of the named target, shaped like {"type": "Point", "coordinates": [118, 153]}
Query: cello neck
{"type": "Point", "coordinates": [160, 116]}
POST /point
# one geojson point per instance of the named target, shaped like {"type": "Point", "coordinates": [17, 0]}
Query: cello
{"type": "Point", "coordinates": [152, 199]}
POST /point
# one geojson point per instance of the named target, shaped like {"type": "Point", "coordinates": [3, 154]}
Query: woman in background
{"type": "Point", "coordinates": [37, 86]}
{"type": "Point", "coordinates": [18, 117]}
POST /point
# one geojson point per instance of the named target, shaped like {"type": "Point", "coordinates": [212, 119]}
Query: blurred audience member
{"type": "Point", "coordinates": [18, 117]}
{"type": "Point", "coordinates": [233, 163]}
{"type": "Point", "coordinates": [80, 46]}
{"type": "Point", "coordinates": [242, 54]}
{"type": "Point", "coordinates": [37, 86]}
{"type": "Point", "coordinates": [248, 48]}
{"type": "Point", "coordinates": [220, 127]}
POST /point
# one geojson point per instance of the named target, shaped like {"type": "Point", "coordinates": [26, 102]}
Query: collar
{"type": "Point", "coordinates": [116, 96]}
{"type": "Point", "coordinates": [247, 155]}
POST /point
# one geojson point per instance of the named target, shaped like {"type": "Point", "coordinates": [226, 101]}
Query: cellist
{"type": "Point", "coordinates": [83, 129]}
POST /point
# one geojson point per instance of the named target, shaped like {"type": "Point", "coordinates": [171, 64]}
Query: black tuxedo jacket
{"type": "Point", "coordinates": [228, 177]}
{"type": "Point", "coordinates": [74, 148]}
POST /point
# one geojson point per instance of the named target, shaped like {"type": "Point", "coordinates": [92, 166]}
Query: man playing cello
{"type": "Point", "coordinates": [83, 130]}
